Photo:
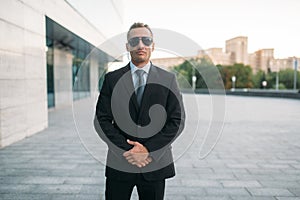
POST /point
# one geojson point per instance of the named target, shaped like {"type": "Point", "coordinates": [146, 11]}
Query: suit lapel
{"type": "Point", "coordinates": [128, 83]}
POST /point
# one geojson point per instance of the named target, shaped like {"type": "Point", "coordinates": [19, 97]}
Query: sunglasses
{"type": "Point", "coordinates": [135, 41]}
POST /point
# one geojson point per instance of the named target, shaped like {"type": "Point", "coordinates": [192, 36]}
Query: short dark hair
{"type": "Point", "coordinates": [139, 25]}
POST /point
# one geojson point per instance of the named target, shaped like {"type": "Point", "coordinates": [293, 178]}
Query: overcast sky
{"type": "Point", "coordinates": [266, 23]}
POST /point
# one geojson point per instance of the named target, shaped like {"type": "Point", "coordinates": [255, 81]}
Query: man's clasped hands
{"type": "Point", "coordinates": [138, 155]}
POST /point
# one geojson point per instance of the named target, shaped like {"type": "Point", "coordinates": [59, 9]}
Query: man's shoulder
{"type": "Point", "coordinates": [118, 72]}
{"type": "Point", "coordinates": [163, 72]}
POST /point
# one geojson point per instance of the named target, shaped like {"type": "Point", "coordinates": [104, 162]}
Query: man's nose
{"type": "Point", "coordinates": [141, 44]}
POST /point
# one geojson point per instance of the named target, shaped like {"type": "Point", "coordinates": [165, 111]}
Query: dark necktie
{"type": "Point", "coordinates": [140, 85]}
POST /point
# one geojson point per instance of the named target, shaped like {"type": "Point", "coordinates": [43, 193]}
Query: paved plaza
{"type": "Point", "coordinates": [256, 157]}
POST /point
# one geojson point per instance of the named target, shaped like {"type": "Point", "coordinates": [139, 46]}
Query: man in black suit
{"type": "Point", "coordinates": [139, 114]}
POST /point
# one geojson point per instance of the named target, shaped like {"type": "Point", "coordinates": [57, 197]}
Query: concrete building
{"type": "Point", "coordinates": [263, 57]}
{"type": "Point", "coordinates": [43, 45]}
{"type": "Point", "coordinates": [216, 55]}
{"type": "Point", "coordinates": [253, 62]}
{"type": "Point", "coordinates": [284, 63]}
{"type": "Point", "coordinates": [238, 49]}
{"type": "Point", "coordinates": [169, 62]}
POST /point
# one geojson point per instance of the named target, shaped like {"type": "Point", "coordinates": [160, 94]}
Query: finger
{"type": "Point", "coordinates": [145, 163]}
{"type": "Point", "coordinates": [129, 158]}
{"type": "Point", "coordinates": [127, 153]}
{"type": "Point", "coordinates": [131, 142]}
{"type": "Point", "coordinates": [131, 161]}
{"type": "Point", "coordinates": [149, 159]}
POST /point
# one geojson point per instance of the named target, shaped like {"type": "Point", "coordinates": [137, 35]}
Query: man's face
{"type": "Point", "coordinates": [140, 53]}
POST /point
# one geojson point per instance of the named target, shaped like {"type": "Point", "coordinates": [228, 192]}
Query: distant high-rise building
{"type": "Point", "coordinates": [252, 57]}
{"type": "Point", "coordinates": [238, 49]}
{"type": "Point", "coordinates": [263, 58]}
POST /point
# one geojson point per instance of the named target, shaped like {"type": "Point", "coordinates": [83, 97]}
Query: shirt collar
{"type": "Point", "coordinates": [146, 68]}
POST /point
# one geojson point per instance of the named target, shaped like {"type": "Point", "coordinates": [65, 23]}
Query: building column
{"type": "Point", "coordinates": [62, 69]}
{"type": "Point", "coordinates": [94, 75]}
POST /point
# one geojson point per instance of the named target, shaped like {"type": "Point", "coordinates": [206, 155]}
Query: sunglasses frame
{"type": "Point", "coordinates": [133, 40]}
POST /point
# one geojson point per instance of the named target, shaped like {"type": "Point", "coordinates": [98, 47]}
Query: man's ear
{"type": "Point", "coordinates": [153, 44]}
{"type": "Point", "coordinates": [127, 47]}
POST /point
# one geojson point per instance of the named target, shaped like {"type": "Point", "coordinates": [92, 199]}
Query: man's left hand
{"type": "Point", "coordinates": [138, 155]}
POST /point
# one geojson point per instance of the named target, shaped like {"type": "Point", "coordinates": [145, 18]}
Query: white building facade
{"type": "Point", "coordinates": [43, 44]}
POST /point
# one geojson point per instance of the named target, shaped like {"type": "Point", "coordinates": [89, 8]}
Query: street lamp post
{"type": "Point", "coordinates": [264, 84]}
{"type": "Point", "coordinates": [275, 67]}
{"type": "Point", "coordinates": [194, 79]}
{"type": "Point", "coordinates": [295, 72]}
{"type": "Point", "coordinates": [277, 81]}
{"type": "Point", "coordinates": [277, 74]}
{"type": "Point", "coordinates": [233, 79]}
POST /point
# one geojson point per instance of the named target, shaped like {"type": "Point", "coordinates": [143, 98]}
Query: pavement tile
{"type": "Point", "coordinates": [227, 192]}
{"type": "Point", "coordinates": [16, 189]}
{"type": "Point", "coordinates": [269, 192]}
{"type": "Point", "coordinates": [23, 196]}
{"type": "Point", "coordinates": [186, 191]}
{"type": "Point", "coordinates": [241, 184]}
{"type": "Point", "coordinates": [252, 198]}
{"type": "Point", "coordinates": [295, 191]}
{"type": "Point", "coordinates": [200, 183]}
{"type": "Point", "coordinates": [209, 198]}
{"type": "Point", "coordinates": [280, 184]}
{"type": "Point", "coordinates": [42, 180]}
{"type": "Point", "coordinates": [57, 189]}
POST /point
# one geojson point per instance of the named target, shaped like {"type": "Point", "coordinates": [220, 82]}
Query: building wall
{"type": "Point", "coordinates": [264, 57]}
{"type": "Point", "coordinates": [167, 63]}
{"type": "Point", "coordinates": [238, 48]}
{"type": "Point", "coordinates": [23, 107]}
{"type": "Point", "coordinates": [217, 56]}
{"type": "Point", "coordinates": [23, 91]}
{"type": "Point", "coordinates": [284, 63]}
{"type": "Point", "coordinates": [253, 62]}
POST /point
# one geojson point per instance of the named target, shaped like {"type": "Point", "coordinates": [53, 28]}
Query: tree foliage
{"type": "Point", "coordinates": [210, 76]}
{"type": "Point", "coordinates": [207, 76]}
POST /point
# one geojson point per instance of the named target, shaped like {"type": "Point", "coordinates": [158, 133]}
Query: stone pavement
{"type": "Point", "coordinates": [257, 156]}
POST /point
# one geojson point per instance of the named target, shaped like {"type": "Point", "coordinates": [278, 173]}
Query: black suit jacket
{"type": "Point", "coordinates": [117, 96]}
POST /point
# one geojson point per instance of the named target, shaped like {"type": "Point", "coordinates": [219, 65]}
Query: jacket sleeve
{"type": "Point", "coordinates": [174, 125]}
{"type": "Point", "coordinates": [104, 121]}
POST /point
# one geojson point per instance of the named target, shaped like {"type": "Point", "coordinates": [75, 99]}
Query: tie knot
{"type": "Point", "coordinates": [140, 72]}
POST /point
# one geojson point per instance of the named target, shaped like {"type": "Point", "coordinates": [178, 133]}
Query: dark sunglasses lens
{"type": "Point", "coordinates": [134, 41]}
{"type": "Point", "coordinates": [147, 41]}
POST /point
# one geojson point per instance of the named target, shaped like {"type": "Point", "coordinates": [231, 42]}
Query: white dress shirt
{"type": "Point", "coordinates": [133, 68]}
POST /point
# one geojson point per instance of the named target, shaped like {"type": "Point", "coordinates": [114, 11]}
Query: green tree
{"type": "Point", "coordinates": [271, 80]}
{"type": "Point", "coordinates": [243, 74]}
{"type": "Point", "coordinates": [286, 77]}
{"type": "Point", "coordinates": [184, 73]}
{"type": "Point", "coordinates": [206, 74]}
{"type": "Point", "coordinates": [258, 78]}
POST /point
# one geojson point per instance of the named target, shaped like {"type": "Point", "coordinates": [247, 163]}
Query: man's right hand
{"type": "Point", "coordinates": [138, 155]}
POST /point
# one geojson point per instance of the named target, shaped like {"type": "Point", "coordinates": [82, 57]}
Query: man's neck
{"type": "Point", "coordinates": [140, 64]}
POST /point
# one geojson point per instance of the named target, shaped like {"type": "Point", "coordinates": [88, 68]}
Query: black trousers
{"type": "Point", "coordinates": [147, 190]}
